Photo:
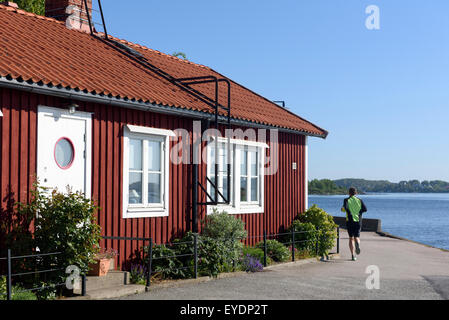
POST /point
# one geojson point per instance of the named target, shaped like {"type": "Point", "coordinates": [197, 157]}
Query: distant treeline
{"type": "Point", "coordinates": [341, 186]}
{"type": "Point", "coordinates": [325, 186]}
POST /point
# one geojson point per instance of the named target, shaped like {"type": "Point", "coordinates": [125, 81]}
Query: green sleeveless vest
{"type": "Point", "coordinates": [354, 206]}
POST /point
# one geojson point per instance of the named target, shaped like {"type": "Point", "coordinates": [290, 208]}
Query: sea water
{"type": "Point", "coordinates": [422, 217]}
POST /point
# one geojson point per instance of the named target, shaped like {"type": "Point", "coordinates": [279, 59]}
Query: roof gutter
{"type": "Point", "coordinates": [126, 103]}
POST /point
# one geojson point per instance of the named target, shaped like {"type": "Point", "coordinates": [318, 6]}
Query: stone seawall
{"type": "Point", "coordinates": [374, 225]}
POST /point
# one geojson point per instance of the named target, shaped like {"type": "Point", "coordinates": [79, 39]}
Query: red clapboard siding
{"type": "Point", "coordinates": [283, 190]}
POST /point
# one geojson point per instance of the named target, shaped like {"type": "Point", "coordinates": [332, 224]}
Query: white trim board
{"type": "Point", "coordinates": [150, 131]}
{"type": "Point", "coordinates": [306, 173]}
{"type": "Point", "coordinates": [243, 142]}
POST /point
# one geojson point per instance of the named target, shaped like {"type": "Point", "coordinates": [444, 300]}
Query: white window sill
{"type": "Point", "coordinates": [243, 209]}
{"type": "Point", "coordinates": [136, 212]}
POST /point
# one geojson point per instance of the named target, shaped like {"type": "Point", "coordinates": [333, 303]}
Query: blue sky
{"type": "Point", "coordinates": [382, 94]}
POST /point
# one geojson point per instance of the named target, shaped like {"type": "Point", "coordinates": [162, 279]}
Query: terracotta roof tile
{"type": "Point", "coordinates": [42, 49]}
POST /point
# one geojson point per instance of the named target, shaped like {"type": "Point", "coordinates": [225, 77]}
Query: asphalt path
{"type": "Point", "coordinates": [387, 268]}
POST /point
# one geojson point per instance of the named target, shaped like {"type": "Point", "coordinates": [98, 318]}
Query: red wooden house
{"type": "Point", "coordinates": [106, 116]}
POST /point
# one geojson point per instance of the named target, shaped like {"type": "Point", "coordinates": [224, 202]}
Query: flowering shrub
{"type": "Point", "coordinates": [290, 250]}
{"type": "Point", "coordinates": [138, 274]}
{"type": "Point", "coordinates": [251, 264]}
{"type": "Point", "coordinates": [256, 253]}
{"type": "Point", "coordinates": [106, 254]}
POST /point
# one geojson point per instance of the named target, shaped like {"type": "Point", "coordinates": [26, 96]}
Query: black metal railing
{"type": "Point", "coordinates": [338, 240]}
{"type": "Point", "coordinates": [289, 239]}
{"type": "Point", "coordinates": [144, 240]}
{"type": "Point", "coordinates": [194, 249]}
{"type": "Point", "coordinates": [13, 272]}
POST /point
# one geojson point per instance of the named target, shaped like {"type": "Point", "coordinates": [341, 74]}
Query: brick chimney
{"type": "Point", "coordinates": [72, 12]}
{"type": "Point", "coordinates": [10, 4]}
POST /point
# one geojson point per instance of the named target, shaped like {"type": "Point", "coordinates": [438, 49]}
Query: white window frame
{"type": "Point", "coordinates": [249, 174]}
{"type": "Point", "coordinates": [147, 210]}
{"type": "Point", "coordinates": [236, 206]}
{"type": "Point", "coordinates": [220, 182]}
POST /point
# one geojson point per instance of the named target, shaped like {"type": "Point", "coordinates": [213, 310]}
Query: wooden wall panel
{"type": "Point", "coordinates": [283, 190]}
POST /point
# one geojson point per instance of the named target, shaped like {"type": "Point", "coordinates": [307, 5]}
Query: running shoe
{"type": "Point", "coordinates": [357, 247]}
{"type": "Point", "coordinates": [354, 258]}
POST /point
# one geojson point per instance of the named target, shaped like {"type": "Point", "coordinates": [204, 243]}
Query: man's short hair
{"type": "Point", "coordinates": [352, 191]}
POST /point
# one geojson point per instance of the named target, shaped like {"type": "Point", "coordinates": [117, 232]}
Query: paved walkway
{"type": "Point", "coordinates": [407, 271]}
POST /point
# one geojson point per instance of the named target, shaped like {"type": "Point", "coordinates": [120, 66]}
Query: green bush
{"type": "Point", "coordinates": [317, 224]}
{"type": "Point", "coordinates": [17, 292]}
{"type": "Point", "coordinates": [228, 231]}
{"type": "Point", "coordinates": [46, 291]}
{"type": "Point", "coordinates": [221, 225]}
{"type": "Point", "coordinates": [176, 261]}
{"type": "Point", "coordinates": [256, 253]}
{"type": "Point", "coordinates": [165, 263]}
{"type": "Point", "coordinates": [3, 289]}
{"type": "Point", "coordinates": [65, 223]}
{"type": "Point", "coordinates": [276, 250]}
{"type": "Point", "coordinates": [212, 255]}
{"type": "Point", "coordinates": [219, 249]}
{"type": "Point", "coordinates": [305, 236]}
{"type": "Point", "coordinates": [27, 295]}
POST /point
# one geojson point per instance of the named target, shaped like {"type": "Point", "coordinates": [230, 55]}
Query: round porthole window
{"type": "Point", "coordinates": [64, 153]}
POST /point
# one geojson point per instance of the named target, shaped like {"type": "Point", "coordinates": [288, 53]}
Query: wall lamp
{"type": "Point", "coordinates": [72, 107]}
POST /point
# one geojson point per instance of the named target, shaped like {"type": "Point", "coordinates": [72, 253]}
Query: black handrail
{"type": "Point", "coordinates": [149, 259]}
{"type": "Point", "coordinates": [9, 275]}
{"type": "Point", "coordinates": [292, 242]}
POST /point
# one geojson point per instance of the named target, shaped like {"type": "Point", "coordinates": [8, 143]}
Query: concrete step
{"type": "Point", "coordinates": [112, 292]}
{"type": "Point", "coordinates": [114, 278]}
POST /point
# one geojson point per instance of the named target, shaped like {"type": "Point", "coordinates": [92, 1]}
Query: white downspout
{"type": "Point", "coordinates": [306, 173]}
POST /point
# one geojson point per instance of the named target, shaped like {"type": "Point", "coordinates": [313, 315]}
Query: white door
{"type": "Point", "coordinates": [64, 149]}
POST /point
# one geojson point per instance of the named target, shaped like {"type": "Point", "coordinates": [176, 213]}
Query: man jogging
{"type": "Point", "coordinates": [354, 207]}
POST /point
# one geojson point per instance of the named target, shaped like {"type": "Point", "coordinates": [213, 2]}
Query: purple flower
{"type": "Point", "coordinates": [252, 264]}
{"type": "Point", "coordinates": [138, 270]}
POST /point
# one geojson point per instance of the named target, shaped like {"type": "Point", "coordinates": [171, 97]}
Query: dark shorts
{"type": "Point", "coordinates": [353, 229]}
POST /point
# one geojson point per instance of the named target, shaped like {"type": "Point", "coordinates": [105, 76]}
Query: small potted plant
{"type": "Point", "coordinates": [104, 261]}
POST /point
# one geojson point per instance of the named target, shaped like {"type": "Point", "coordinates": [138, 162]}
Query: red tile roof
{"type": "Point", "coordinates": [42, 50]}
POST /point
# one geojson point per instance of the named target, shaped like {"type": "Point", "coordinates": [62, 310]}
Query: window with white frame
{"type": "Point", "coordinates": [222, 175]}
{"type": "Point", "coordinates": [145, 172]}
{"type": "Point", "coordinates": [249, 175]}
{"type": "Point", "coordinates": [246, 175]}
